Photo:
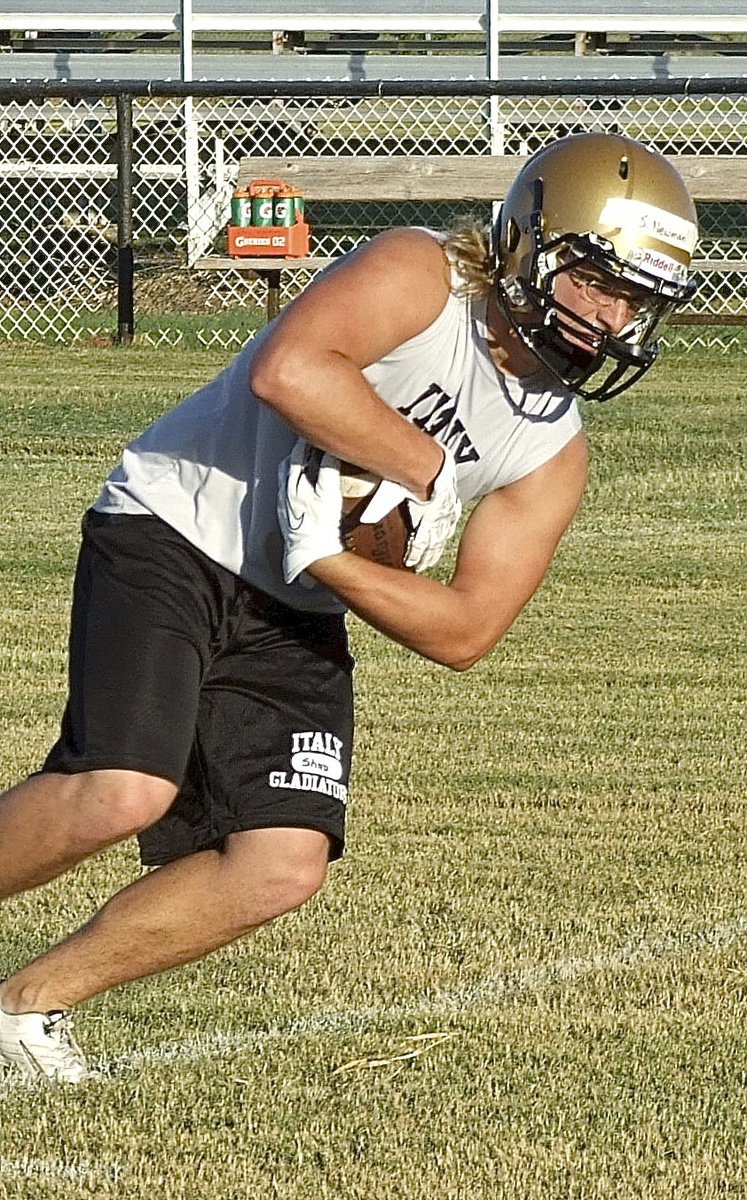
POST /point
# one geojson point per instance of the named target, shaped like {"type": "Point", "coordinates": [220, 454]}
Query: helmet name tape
{"type": "Point", "coordinates": [634, 215]}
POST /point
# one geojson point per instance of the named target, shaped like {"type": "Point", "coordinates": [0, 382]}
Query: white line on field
{"type": "Point", "coordinates": [491, 990]}
{"type": "Point", "coordinates": [73, 1169]}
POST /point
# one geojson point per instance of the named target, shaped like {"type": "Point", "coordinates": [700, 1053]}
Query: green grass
{"type": "Point", "coordinates": [546, 861]}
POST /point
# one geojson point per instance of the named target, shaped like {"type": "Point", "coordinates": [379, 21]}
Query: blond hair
{"type": "Point", "coordinates": [466, 244]}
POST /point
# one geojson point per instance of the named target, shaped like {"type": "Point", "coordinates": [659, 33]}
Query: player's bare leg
{"type": "Point", "coordinates": [51, 822]}
{"type": "Point", "coordinates": [175, 915]}
{"type": "Point", "coordinates": [172, 916]}
{"type": "Point", "coordinates": [47, 825]}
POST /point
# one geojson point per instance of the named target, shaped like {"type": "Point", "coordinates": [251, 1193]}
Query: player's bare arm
{"type": "Point", "coordinates": [505, 551]}
{"type": "Point", "coordinates": [309, 368]}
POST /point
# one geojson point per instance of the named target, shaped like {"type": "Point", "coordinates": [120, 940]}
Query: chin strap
{"type": "Point", "coordinates": [567, 362]}
{"type": "Point", "coordinates": [574, 366]}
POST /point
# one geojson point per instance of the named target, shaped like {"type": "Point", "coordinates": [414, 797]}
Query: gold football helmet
{"type": "Point", "coordinates": [604, 204]}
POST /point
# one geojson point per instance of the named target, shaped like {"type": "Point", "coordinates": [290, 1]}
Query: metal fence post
{"type": "Point", "coordinates": [195, 243]}
{"type": "Point", "coordinates": [125, 255]}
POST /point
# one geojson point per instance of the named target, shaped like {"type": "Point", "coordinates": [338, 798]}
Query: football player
{"type": "Point", "coordinates": [210, 705]}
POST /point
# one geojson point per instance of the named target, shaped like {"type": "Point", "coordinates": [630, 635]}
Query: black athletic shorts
{"type": "Point", "coordinates": [182, 670]}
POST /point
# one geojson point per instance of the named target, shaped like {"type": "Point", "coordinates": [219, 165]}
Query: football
{"type": "Point", "coordinates": [384, 541]}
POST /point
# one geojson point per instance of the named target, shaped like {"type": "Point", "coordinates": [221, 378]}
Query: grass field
{"type": "Point", "coordinates": [528, 978]}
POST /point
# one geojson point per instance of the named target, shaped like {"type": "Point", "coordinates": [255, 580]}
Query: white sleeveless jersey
{"type": "Point", "coordinates": [209, 466]}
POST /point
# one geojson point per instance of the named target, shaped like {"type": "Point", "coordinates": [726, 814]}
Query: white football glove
{"type": "Point", "coordinates": [309, 507]}
{"type": "Point", "coordinates": [434, 520]}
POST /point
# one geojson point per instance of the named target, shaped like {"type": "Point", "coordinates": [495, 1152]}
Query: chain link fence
{"type": "Point", "coordinates": [58, 199]}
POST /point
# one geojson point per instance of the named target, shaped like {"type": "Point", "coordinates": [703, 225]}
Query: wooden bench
{"type": "Point", "coordinates": [468, 178]}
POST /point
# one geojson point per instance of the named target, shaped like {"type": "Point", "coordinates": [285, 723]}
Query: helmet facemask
{"type": "Point", "coordinates": [572, 348]}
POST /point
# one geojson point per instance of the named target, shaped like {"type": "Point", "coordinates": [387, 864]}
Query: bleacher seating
{"type": "Point", "coordinates": [361, 65]}
{"type": "Point", "coordinates": [582, 23]}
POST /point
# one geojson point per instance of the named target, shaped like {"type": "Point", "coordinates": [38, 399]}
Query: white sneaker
{"type": "Point", "coordinates": [43, 1046]}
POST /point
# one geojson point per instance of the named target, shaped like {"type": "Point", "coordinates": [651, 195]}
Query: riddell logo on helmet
{"type": "Point", "coordinates": [661, 265]}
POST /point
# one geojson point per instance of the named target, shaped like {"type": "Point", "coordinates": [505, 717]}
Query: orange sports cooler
{"type": "Point", "coordinates": [261, 237]}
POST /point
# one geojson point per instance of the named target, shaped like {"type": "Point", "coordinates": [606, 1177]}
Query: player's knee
{"type": "Point", "coordinates": [289, 885]}
{"type": "Point", "coordinates": [140, 800]}
{"type": "Point", "coordinates": [283, 877]}
{"type": "Point", "coordinates": [118, 804]}
{"type": "Point", "coordinates": [304, 880]}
